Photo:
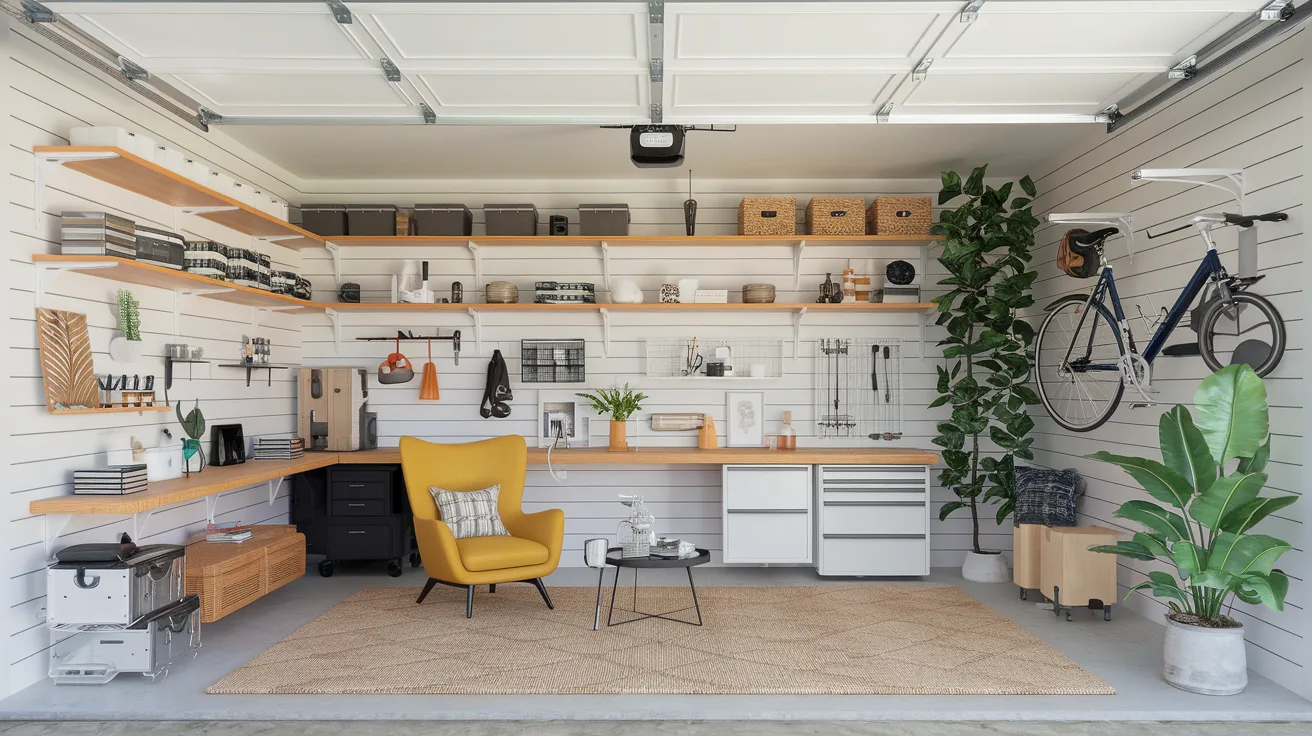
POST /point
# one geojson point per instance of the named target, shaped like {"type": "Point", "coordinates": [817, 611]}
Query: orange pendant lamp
{"type": "Point", "coordinates": [428, 385]}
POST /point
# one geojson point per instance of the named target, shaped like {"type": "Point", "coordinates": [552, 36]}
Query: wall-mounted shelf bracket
{"type": "Point", "coordinates": [211, 507]}
{"type": "Point", "coordinates": [258, 312]}
{"type": "Point", "coordinates": [139, 522]}
{"type": "Point", "coordinates": [178, 213]}
{"type": "Point", "coordinates": [478, 330]}
{"type": "Point", "coordinates": [477, 254]}
{"type": "Point", "coordinates": [180, 294]}
{"type": "Point", "coordinates": [924, 325]}
{"type": "Point", "coordinates": [605, 331]}
{"type": "Point", "coordinates": [335, 251]}
{"type": "Point", "coordinates": [43, 164]}
{"type": "Point", "coordinates": [605, 265]}
{"type": "Point", "coordinates": [797, 264]}
{"type": "Point", "coordinates": [55, 524]}
{"type": "Point", "coordinates": [273, 238]}
{"type": "Point", "coordinates": [797, 331]}
{"type": "Point", "coordinates": [336, 318]}
{"type": "Point", "coordinates": [275, 484]}
{"type": "Point", "coordinates": [1230, 181]}
{"type": "Point", "coordinates": [46, 273]}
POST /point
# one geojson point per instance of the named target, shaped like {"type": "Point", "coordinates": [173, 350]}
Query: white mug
{"type": "Point", "coordinates": [594, 552]}
{"type": "Point", "coordinates": [688, 290]}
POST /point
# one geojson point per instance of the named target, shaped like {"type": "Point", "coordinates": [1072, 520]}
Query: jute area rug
{"type": "Point", "coordinates": [860, 639]}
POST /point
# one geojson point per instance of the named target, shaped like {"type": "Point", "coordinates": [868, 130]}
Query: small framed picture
{"type": "Point", "coordinates": [560, 420]}
{"type": "Point", "coordinates": [745, 418]}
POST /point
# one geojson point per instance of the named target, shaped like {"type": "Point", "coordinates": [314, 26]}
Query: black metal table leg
{"type": "Point", "coordinates": [614, 587]}
{"type": "Point", "coordinates": [697, 606]}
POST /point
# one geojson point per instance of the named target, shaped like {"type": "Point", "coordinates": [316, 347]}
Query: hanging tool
{"type": "Point", "coordinates": [888, 377]}
{"type": "Point", "coordinates": [428, 385]}
{"type": "Point", "coordinates": [874, 370]}
{"type": "Point", "coordinates": [455, 345]}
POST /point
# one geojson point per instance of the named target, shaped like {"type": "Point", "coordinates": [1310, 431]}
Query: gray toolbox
{"type": "Point", "coordinates": [443, 219]}
{"type": "Point", "coordinates": [113, 584]}
{"type": "Point", "coordinates": [511, 219]}
{"type": "Point", "coordinates": [324, 219]}
{"type": "Point", "coordinates": [371, 219]}
{"type": "Point", "coordinates": [94, 654]}
{"type": "Point", "coordinates": [603, 219]}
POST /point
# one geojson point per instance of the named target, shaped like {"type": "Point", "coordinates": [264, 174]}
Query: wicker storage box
{"type": "Point", "coordinates": [767, 216]}
{"type": "Point", "coordinates": [836, 216]}
{"type": "Point", "coordinates": [900, 216]}
{"type": "Point", "coordinates": [227, 577]}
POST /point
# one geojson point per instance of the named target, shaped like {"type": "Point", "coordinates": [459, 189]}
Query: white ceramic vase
{"type": "Point", "coordinates": [1205, 661]}
{"type": "Point", "coordinates": [123, 350]}
{"type": "Point", "coordinates": [985, 568]}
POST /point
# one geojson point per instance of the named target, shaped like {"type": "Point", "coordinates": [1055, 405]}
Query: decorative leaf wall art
{"type": "Point", "coordinates": [66, 367]}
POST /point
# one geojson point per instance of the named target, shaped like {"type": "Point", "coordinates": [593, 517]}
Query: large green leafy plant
{"type": "Point", "coordinates": [987, 241]}
{"type": "Point", "coordinates": [1210, 477]}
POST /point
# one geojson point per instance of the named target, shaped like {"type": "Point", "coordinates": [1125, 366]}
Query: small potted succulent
{"type": "Point", "coordinates": [620, 405]}
{"type": "Point", "coordinates": [194, 425]}
{"type": "Point", "coordinates": [126, 347]}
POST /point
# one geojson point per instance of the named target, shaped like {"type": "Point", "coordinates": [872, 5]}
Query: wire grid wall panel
{"type": "Point", "coordinates": [858, 387]}
{"type": "Point", "coordinates": [688, 357]}
{"type": "Point", "coordinates": [552, 361]}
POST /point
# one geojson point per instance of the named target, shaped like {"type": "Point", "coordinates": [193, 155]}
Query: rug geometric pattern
{"type": "Point", "coordinates": [865, 638]}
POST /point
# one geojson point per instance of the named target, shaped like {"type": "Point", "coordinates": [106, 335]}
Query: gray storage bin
{"type": "Point", "coordinates": [371, 219]}
{"type": "Point", "coordinates": [603, 219]}
{"type": "Point", "coordinates": [443, 219]}
{"type": "Point", "coordinates": [324, 219]}
{"type": "Point", "coordinates": [511, 219]}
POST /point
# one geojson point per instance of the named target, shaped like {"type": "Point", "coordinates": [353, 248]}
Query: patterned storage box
{"type": "Point", "coordinates": [836, 216]}
{"type": "Point", "coordinates": [900, 216]}
{"type": "Point", "coordinates": [767, 216]}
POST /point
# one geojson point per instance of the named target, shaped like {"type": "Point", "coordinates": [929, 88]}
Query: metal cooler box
{"type": "Point", "coordinates": [324, 219]}
{"type": "Point", "coordinates": [94, 654]}
{"type": "Point", "coordinates": [443, 219]}
{"type": "Point", "coordinates": [371, 219]}
{"type": "Point", "coordinates": [603, 219]}
{"type": "Point", "coordinates": [114, 591]}
{"type": "Point", "coordinates": [511, 219]}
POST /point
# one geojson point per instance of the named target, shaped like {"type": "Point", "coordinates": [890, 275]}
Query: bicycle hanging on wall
{"type": "Point", "coordinates": [1086, 354]}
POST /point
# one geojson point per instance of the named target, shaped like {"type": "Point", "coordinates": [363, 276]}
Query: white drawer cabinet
{"type": "Point", "coordinates": [872, 520]}
{"type": "Point", "coordinates": [767, 514]}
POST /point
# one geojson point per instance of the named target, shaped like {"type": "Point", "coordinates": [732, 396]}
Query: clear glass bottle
{"type": "Point", "coordinates": [787, 436]}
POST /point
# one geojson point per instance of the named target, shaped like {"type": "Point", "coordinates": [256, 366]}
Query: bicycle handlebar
{"type": "Point", "coordinates": [1228, 218]}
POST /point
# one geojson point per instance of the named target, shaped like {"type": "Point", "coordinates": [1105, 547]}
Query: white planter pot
{"type": "Point", "coordinates": [124, 350]}
{"type": "Point", "coordinates": [1203, 660]}
{"type": "Point", "coordinates": [989, 568]}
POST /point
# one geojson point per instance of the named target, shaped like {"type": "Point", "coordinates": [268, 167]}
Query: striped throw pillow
{"type": "Point", "coordinates": [471, 513]}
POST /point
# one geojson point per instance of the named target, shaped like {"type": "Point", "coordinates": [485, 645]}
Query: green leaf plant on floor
{"type": "Point", "coordinates": [987, 242]}
{"type": "Point", "coordinates": [1205, 502]}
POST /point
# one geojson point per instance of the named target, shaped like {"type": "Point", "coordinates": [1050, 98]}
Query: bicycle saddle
{"type": "Point", "coordinates": [1093, 239]}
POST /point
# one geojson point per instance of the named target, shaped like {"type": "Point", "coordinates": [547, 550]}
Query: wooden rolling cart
{"type": "Point", "coordinates": [1056, 561]}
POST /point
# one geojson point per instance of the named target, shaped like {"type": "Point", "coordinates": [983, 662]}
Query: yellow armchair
{"type": "Point", "coordinates": [531, 552]}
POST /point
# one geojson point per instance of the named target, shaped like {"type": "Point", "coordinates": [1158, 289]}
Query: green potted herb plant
{"type": "Point", "coordinates": [126, 347]}
{"type": "Point", "coordinates": [1207, 487]}
{"type": "Point", "coordinates": [988, 351]}
{"type": "Point", "coordinates": [620, 405]}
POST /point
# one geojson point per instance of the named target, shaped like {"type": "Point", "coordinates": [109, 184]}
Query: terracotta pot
{"type": "Point", "coordinates": [619, 436]}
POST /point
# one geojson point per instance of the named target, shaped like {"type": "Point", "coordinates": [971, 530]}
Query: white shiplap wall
{"type": "Point", "coordinates": [45, 96]}
{"type": "Point", "coordinates": [1253, 116]}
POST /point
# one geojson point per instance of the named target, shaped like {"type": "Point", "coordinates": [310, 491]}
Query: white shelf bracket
{"type": "Point", "coordinates": [55, 524]}
{"type": "Point", "coordinates": [258, 312]}
{"type": "Point", "coordinates": [275, 485]}
{"type": "Point", "coordinates": [139, 522]}
{"type": "Point", "coordinates": [797, 264]}
{"type": "Point", "coordinates": [1230, 181]}
{"type": "Point", "coordinates": [605, 265]}
{"type": "Point", "coordinates": [797, 332]}
{"type": "Point", "coordinates": [924, 325]}
{"type": "Point", "coordinates": [181, 211]}
{"type": "Point", "coordinates": [478, 330]}
{"type": "Point", "coordinates": [211, 507]}
{"type": "Point", "coordinates": [335, 251]}
{"type": "Point", "coordinates": [336, 318]}
{"type": "Point", "coordinates": [179, 295]}
{"type": "Point", "coordinates": [605, 331]}
{"type": "Point", "coordinates": [477, 254]}
{"type": "Point", "coordinates": [42, 169]}
{"type": "Point", "coordinates": [273, 238]}
{"type": "Point", "coordinates": [46, 273]}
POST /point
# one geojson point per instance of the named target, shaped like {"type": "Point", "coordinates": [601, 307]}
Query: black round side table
{"type": "Point", "coordinates": [614, 557]}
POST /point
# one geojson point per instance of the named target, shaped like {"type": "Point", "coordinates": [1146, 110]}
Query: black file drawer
{"type": "Point", "coordinates": [360, 542]}
{"type": "Point", "coordinates": [359, 507]}
{"type": "Point", "coordinates": [359, 489]}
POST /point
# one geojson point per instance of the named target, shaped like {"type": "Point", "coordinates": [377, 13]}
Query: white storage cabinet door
{"type": "Point", "coordinates": [872, 520]}
{"type": "Point", "coordinates": [767, 514]}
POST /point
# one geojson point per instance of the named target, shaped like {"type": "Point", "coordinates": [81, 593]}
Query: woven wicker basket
{"type": "Point", "coordinates": [230, 576]}
{"type": "Point", "coordinates": [836, 216]}
{"type": "Point", "coordinates": [767, 216]}
{"type": "Point", "coordinates": [502, 292]}
{"type": "Point", "coordinates": [900, 216]}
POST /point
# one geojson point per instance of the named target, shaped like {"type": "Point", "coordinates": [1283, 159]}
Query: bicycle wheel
{"type": "Point", "coordinates": [1248, 331]}
{"type": "Point", "coordinates": [1082, 392]}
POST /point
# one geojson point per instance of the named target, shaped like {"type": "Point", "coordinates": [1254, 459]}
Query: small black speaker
{"type": "Point", "coordinates": [558, 225]}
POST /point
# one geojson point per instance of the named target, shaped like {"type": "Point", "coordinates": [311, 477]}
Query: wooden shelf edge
{"type": "Point", "coordinates": [112, 409]}
{"type": "Point", "coordinates": [165, 274]}
{"type": "Point", "coordinates": [916, 308]}
{"type": "Point", "coordinates": [380, 241]}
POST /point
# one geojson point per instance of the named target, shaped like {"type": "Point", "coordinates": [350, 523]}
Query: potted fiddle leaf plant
{"type": "Point", "coordinates": [987, 241]}
{"type": "Point", "coordinates": [620, 405]}
{"type": "Point", "coordinates": [1199, 525]}
{"type": "Point", "coordinates": [126, 347]}
{"type": "Point", "coordinates": [194, 425]}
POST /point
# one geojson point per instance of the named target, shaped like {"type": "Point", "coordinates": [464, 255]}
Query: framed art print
{"type": "Point", "coordinates": [745, 418]}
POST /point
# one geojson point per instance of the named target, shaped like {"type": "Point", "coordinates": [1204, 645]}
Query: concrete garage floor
{"type": "Point", "coordinates": [1125, 652]}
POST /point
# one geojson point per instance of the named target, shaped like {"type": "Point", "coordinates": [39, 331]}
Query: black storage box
{"type": "Point", "coordinates": [511, 219]}
{"type": "Point", "coordinates": [603, 219]}
{"type": "Point", "coordinates": [443, 219]}
{"type": "Point", "coordinates": [371, 219]}
{"type": "Point", "coordinates": [324, 219]}
{"type": "Point", "coordinates": [160, 247]}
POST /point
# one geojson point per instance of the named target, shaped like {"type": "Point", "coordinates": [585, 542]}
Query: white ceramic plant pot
{"type": "Point", "coordinates": [1203, 660]}
{"type": "Point", "coordinates": [124, 350]}
{"type": "Point", "coordinates": [986, 568]}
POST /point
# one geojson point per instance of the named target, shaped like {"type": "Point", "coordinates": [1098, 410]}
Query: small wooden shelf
{"type": "Point", "coordinates": [270, 367]}
{"type": "Point", "coordinates": [129, 271]}
{"type": "Point", "coordinates": [619, 241]}
{"type": "Point", "coordinates": [127, 171]}
{"type": "Point", "coordinates": [114, 409]}
{"type": "Point", "coordinates": [917, 308]}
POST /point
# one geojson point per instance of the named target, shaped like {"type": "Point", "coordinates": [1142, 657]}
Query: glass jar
{"type": "Point", "coordinates": [787, 436]}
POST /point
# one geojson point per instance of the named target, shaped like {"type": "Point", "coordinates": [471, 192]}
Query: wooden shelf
{"type": "Point", "coordinates": [917, 308]}
{"type": "Point", "coordinates": [127, 171]}
{"type": "Point", "coordinates": [129, 271]}
{"type": "Point", "coordinates": [375, 241]}
{"type": "Point", "coordinates": [113, 409]}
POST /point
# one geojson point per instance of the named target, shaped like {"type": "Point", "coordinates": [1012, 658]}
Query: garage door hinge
{"type": "Point", "coordinates": [884, 112]}
{"type": "Point", "coordinates": [655, 11]}
{"type": "Point", "coordinates": [1185, 69]}
{"type": "Point", "coordinates": [430, 117]}
{"type": "Point", "coordinates": [341, 13]}
{"type": "Point", "coordinates": [1111, 113]}
{"type": "Point", "coordinates": [132, 71]}
{"type": "Point", "coordinates": [1281, 10]}
{"type": "Point", "coordinates": [389, 69]}
{"type": "Point", "coordinates": [657, 70]}
{"type": "Point", "coordinates": [971, 11]}
{"type": "Point", "coordinates": [207, 117]}
{"type": "Point", "coordinates": [37, 13]}
{"type": "Point", "coordinates": [657, 114]}
{"type": "Point", "coordinates": [918, 74]}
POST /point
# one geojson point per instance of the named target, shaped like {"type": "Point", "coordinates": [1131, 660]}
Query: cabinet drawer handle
{"type": "Point", "coordinates": [874, 536]}
{"type": "Point", "coordinates": [875, 489]}
{"type": "Point", "coordinates": [874, 503]}
{"type": "Point", "coordinates": [767, 511]}
{"type": "Point", "coordinates": [355, 505]}
{"type": "Point", "coordinates": [356, 531]}
{"type": "Point", "coordinates": [355, 485]}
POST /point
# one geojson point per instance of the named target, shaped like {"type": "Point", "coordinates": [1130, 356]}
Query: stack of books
{"type": "Point", "coordinates": [228, 533]}
{"type": "Point", "coordinates": [561, 292]}
{"type": "Point", "coordinates": [97, 234]}
{"type": "Point", "coordinates": [115, 480]}
{"type": "Point", "coordinates": [279, 448]}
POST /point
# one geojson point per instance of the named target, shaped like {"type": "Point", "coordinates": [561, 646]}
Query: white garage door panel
{"type": "Point", "coordinates": [229, 92]}
{"type": "Point", "coordinates": [1098, 35]}
{"type": "Point", "coordinates": [535, 90]}
{"type": "Point", "coordinates": [1082, 92]}
{"type": "Point", "coordinates": [798, 35]}
{"type": "Point", "coordinates": [776, 90]}
{"type": "Point", "coordinates": [517, 35]}
{"type": "Point", "coordinates": [218, 36]}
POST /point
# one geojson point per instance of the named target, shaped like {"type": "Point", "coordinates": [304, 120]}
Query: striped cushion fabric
{"type": "Point", "coordinates": [471, 513]}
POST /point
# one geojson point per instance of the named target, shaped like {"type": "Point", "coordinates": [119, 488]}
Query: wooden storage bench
{"type": "Point", "coordinates": [229, 576]}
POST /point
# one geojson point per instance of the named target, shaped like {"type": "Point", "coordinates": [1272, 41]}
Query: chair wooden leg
{"type": "Point", "coordinates": [469, 601]}
{"type": "Point", "coordinates": [492, 588]}
{"type": "Point", "coordinates": [543, 590]}
{"type": "Point", "coordinates": [427, 587]}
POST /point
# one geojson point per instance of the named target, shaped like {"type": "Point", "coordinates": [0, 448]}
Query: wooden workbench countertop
{"type": "Point", "coordinates": [219, 479]}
